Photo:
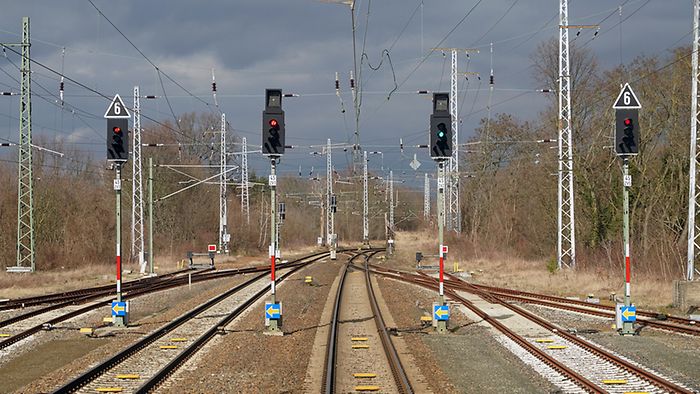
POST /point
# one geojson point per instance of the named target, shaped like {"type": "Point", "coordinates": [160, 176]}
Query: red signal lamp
{"type": "Point", "coordinates": [273, 123]}
{"type": "Point", "coordinates": [117, 130]}
{"type": "Point", "coordinates": [628, 122]}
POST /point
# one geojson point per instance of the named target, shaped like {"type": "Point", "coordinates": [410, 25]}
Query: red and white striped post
{"type": "Point", "coordinates": [273, 326]}
{"type": "Point", "coordinates": [627, 327]}
{"type": "Point", "coordinates": [441, 324]}
{"type": "Point", "coordinates": [442, 274]}
{"type": "Point", "coordinates": [119, 321]}
{"type": "Point", "coordinates": [272, 273]}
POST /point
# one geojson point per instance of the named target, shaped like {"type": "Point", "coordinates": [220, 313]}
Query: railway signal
{"type": "Point", "coordinates": [273, 133]}
{"type": "Point", "coordinates": [117, 140]}
{"type": "Point", "coordinates": [117, 117]}
{"type": "Point", "coordinates": [440, 136]}
{"type": "Point", "coordinates": [441, 127]}
{"type": "Point", "coordinates": [626, 144]}
{"type": "Point", "coordinates": [626, 132]}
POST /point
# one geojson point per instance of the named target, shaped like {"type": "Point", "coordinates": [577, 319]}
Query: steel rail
{"type": "Point", "coordinates": [662, 325]}
{"type": "Point", "coordinates": [422, 280]}
{"type": "Point", "coordinates": [76, 300]}
{"type": "Point", "coordinates": [522, 342]}
{"type": "Point", "coordinates": [649, 314]}
{"type": "Point", "coordinates": [397, 369]}
{"type": "Point", "coordinates": [69, 315]}
{"type": "Point", "coordinates": [673, 324]}
{"type": "Point", "coordinates": [529, 347]}
{"type": "Point", "coordinates": [181, 281]}
{"type": "Point", "coordinates": [77, 294]}
{"type": "Point", "coordinates": [181, 358]}
{"type": "Point", "coordinates": [124, 354]}
{"type": "Point", "coordinates": [620, 362]}
{"type": "Point", "coordinates": [328, 385]}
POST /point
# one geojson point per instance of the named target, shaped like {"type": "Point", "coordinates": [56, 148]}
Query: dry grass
{"type": "Point", "coordinates": [532, 275]}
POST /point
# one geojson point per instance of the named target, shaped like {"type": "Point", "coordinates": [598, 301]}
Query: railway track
{"type": "Point", "coordinates": [144, 365]}
{"type": "Point", "coordinates": [80, 295]}
{"type": "Point", "coordinates": [352, 357]}
{"type": "Point", "coordinates": [644, 318]}
{"type": "Point", "coordinates": [38, 323]}
{"type": "Point", "coordinates": [91, 294]}
{"type": "Point", "coordinates": [649, 319]}
{"type": "Point", "coordinates": [569, 359]}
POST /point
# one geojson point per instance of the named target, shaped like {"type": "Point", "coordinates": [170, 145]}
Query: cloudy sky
{"type": "Point", "coordinates": [299, 45]}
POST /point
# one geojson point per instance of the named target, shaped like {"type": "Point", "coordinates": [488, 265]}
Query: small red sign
{"type": "Point", "coordinates": [211, 248]}
{"type": "Point", "coordinates": [444, 249]}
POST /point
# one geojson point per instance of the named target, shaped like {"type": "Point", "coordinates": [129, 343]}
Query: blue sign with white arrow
{"type": "Point", "coordinates": [273, 311]}
{"type": "Point", "coordinates": [441, 312]}
{"type": "Point", "coordinates": [118, 308]}
{"type": "Point", "coordinates": [629, 313]}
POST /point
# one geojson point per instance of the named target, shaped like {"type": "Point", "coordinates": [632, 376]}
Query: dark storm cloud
{"type": "Point", "coordinates": [298, 45]}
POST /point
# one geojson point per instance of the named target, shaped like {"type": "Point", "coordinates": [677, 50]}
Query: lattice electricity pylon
{"type": "Point", "coordinates": [137, 241]}
{"type": "Point", "coordinates": [426, 198]}
{"type": "Point", "coordinates": [329, 193]}
{"type": "Point", "coordinates": [223, 210]}
{"type": "Point", "coordinates": [365, 201]}
{"type": "Point", "coordinates": [245, 200]}
{"type": "Point", "coordinates": [25, 188]}
{"type": "Point", "coordinates": [694, 190]}
{"type": "Point", "coordinates": [355, 99]}
{"type": "Point", "coordinates": [566, 242]}
{"type": "Point", "coordinates": [391, 204]}
{"type": "Point", "coordinates": [454, 213]}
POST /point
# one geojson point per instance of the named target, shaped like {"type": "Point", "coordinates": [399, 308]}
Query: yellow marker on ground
{"type": "Point", "coordinates": [178, 339]}
{"type": "Point", "coordinates": [359, 338]}
{"type": "Point", "coordinates": [556, 347]}
{"type": "Point", "coordinates": [360, 346]}
{"type": "Point", "coordinates": [366, 388]}
{"type": "Point", "coordinates": [168, 346]}
{"type": "Point", "coordinates": [544, 340]}
{"type": "Point", "coordinates": [109, 389]}
{"type": "Point", "coordinates": [87, 330]}
{"type": "Point", "coordinates": [364, 375]}
{"type": "Point", "coordinates": [3, 335]}
{"type": "Point", "coordinates": [128, 376]}
{"type": "Point", "coordinates": [107, 320]}
{"type": "Point", "coordinates": [615, 381]}
{"type": "Point", "coordinates": [426, 318]}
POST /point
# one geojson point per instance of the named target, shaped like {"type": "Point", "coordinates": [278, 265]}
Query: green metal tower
{"type": "Point", "coordinates": [25, 192]}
